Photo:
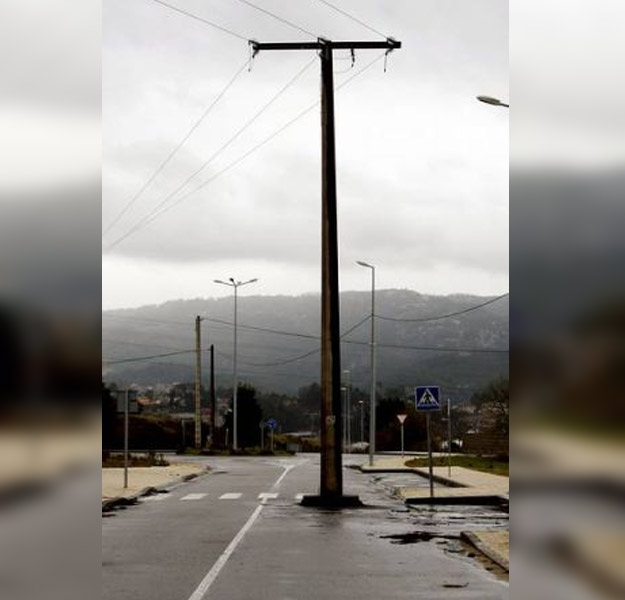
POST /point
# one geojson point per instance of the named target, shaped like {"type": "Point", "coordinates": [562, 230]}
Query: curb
{"type": "Point", "coordinates": [438, 478]}
{"type": "Point", "coordinates": [468, 500]}
{"type": "Point", "coordinates": [111, 504]}
{"type": "Point", "coordinates": [417, 471]}
{"type": "Point", "coordinates": [491, 553]}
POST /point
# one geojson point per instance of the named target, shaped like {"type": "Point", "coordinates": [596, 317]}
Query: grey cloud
{"type": "Point", "coordinates": [421, 169]}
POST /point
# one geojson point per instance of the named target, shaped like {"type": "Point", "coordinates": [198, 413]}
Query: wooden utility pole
{"type": "Point", "coordinates": [212, 394]}
{"type": "Point", "coordinates": [331, 486]}
{"type": "Point", "coordinates": [198, 384]}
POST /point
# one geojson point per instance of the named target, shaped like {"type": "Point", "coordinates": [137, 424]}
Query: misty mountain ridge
{"type": "Point", "coordinates": [278, 340]}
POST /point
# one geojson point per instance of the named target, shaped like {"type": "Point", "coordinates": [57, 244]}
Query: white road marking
{"type": "Point", "coordinates": [193, 496]}
{"type": "Point", "coordinates": [153, 498]}
{"type": "Point", "coordinates": [202, 589]}
{"type": "Point", "coordinates": [298, 497]}
{"type": "Point", "coordinates": [230, 496]}
{"type": "Point", "coordinates": [267, 496]}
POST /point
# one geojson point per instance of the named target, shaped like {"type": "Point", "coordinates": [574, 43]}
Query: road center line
{"type": "Point", "coordinates": [286, 470]}
{"type": "Point", "coordinates": [210, 577]}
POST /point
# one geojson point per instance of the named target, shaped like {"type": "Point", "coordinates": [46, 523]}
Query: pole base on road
{"type": "Point", "coordinates": [332, 501]}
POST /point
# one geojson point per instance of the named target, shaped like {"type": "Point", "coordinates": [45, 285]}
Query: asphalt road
{"type": "Point", "coordinates": [215, 538]}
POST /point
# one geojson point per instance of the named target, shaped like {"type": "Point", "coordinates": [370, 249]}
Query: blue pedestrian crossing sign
{"type": "Point", "coordinates": [427, 397]}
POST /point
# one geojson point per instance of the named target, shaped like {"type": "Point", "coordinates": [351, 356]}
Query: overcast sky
{"type": "Point", "coordinates": [422, 166]}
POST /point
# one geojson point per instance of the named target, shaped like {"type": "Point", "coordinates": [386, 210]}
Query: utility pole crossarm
{"type": "Point", "coordinates": [389, 44]}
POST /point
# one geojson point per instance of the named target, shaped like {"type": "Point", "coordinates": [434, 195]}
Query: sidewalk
{"type": "Point", "coordinates": [462, 483]}
{"type": "Point", "coordinates": [141, 478]}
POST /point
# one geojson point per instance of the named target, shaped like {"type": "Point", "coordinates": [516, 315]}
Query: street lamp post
{"type": "Point", "coordinates": [493, 101]}
{"type": "Point", "coordinates": [347, 411]}
{"type": "Point", "coordinates": [235, 285]}
{"type": "Point", "coordinates": [373, 378]}
{"type": "Point", "coordinates": [362, 420]}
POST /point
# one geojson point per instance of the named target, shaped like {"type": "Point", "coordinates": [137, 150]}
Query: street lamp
{"type": "Point", "coordinates": [347, 426]}
{"type": "Point", "coordinates": [372, 401]}
{"type": "Point", "coordinates": [235, 285]}
{"type": "Point", "coordinates": [493, 101]}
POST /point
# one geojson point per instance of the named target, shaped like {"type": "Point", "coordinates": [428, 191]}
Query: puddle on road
{"type": "Point", "coordinates": [418, 536]}
{"type": "Point", "coordinates": [430, 522]}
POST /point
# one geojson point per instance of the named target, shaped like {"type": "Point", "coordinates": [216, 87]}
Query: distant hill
{"type": "Point", "coordinates": [268, 357]}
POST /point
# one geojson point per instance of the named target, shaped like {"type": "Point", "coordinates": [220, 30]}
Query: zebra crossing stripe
{"type": "Point", "coordinates": [267, 496]}
{"type": "Point", "coordinates": [193, 496]}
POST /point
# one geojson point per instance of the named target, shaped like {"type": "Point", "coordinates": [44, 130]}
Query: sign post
{"type": "Point", "coordinates": [126, 439]}
{"type": "Point", "coordinates": [126, 403]}
{"type": "Point", "coordinates": [449, 437]}
{"type": "Point", "coordinates": [401, 419]}
{"type": "Point", "coordinates": [271, 424]}
{"type": "Point", "coordinates": [427, 398]}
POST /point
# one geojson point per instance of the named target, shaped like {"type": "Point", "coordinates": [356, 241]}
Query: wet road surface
{"type": "Point", "coordinates": [240, 533]}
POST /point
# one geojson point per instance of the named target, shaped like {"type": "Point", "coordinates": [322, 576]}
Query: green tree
{"type": "Point", "coordinates": [250, 414]}
{"type": "Point", "coordinates": [493, 406]}
{"type": "Point", "coordinates": [109, 417]}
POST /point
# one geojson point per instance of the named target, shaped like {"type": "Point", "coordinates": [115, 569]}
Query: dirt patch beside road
{"type": "Point", "coordinates": [140, 478]}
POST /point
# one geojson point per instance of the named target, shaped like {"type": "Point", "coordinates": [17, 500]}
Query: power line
{"type": "Point", "coordinates": [310, 353]}
{"type": "Point", "coordinates": [361, 322]}
{"type": "Point", "coordinates": [142, 358]}
{"type": "Point", "coordinates": [445, 316]}
{"type": "Point", "coordinates": [154, 214]}
{"type": "Point", "coordinates": [279, 18]}
{"type": "Point", "coordinates": [164, 363]}
{"type": "Point", "coordinates": [147, 320]}
{"type": "Point", "coordinates": [143, 345]}
{"type": "Point", "coordinates": [202, 19]}
{"type": "Point", "coordinates": [352, 17]}
{"type": "Point", "coordinates": [271, 136]}
{"type": "Point", "coordinates": [180, 144]}
{"type": "Point", "coordinates": [249, 327]}
{"type": "Point", "coordinates": [434, 348]}
{"type": "Point", "coordinates": [283, 362]}
{"type": "Point", "coordinates": [354, 342]}
{"type": "Point", "coordinates": [307, 354]}
{"type": "Point", "coordinates": [263, 329]}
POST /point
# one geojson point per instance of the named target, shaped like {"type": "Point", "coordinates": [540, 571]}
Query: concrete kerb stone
{"type": "Point", "coordinates": [112, 503]}
{"type": "Point", "coordinates": [422, 472]}
{"type": "Point", "coordinates": [485, 549]}
{"type": "Point", "coordinates": [438, 478]}
{"type": "Point", "coordinates": [464, 500]}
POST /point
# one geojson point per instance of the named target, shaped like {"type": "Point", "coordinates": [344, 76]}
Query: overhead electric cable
{"type": "Point", "coordinates": [432, 348]}
{"type": "Point", "coordinates": [284, 362]}
{"type": "Point", "coordinates": [142, 358]}
{"type": "Point", "coordinates": [155, 212]}
{"type": "Point", "coordinates": [180, 144]}
{"type": "Point", "coordinates": [352, 17]}
{"type": "Point", "coordinates": [445, 316]}
{"type": "Point", "coordinates": [279, 18]}
{"type": "Point", "coordinates": [202, 19]}
{"type": "Point", "coordinates": [307, 354]}
{"type": "Point", "coordinates": [153, 216]}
